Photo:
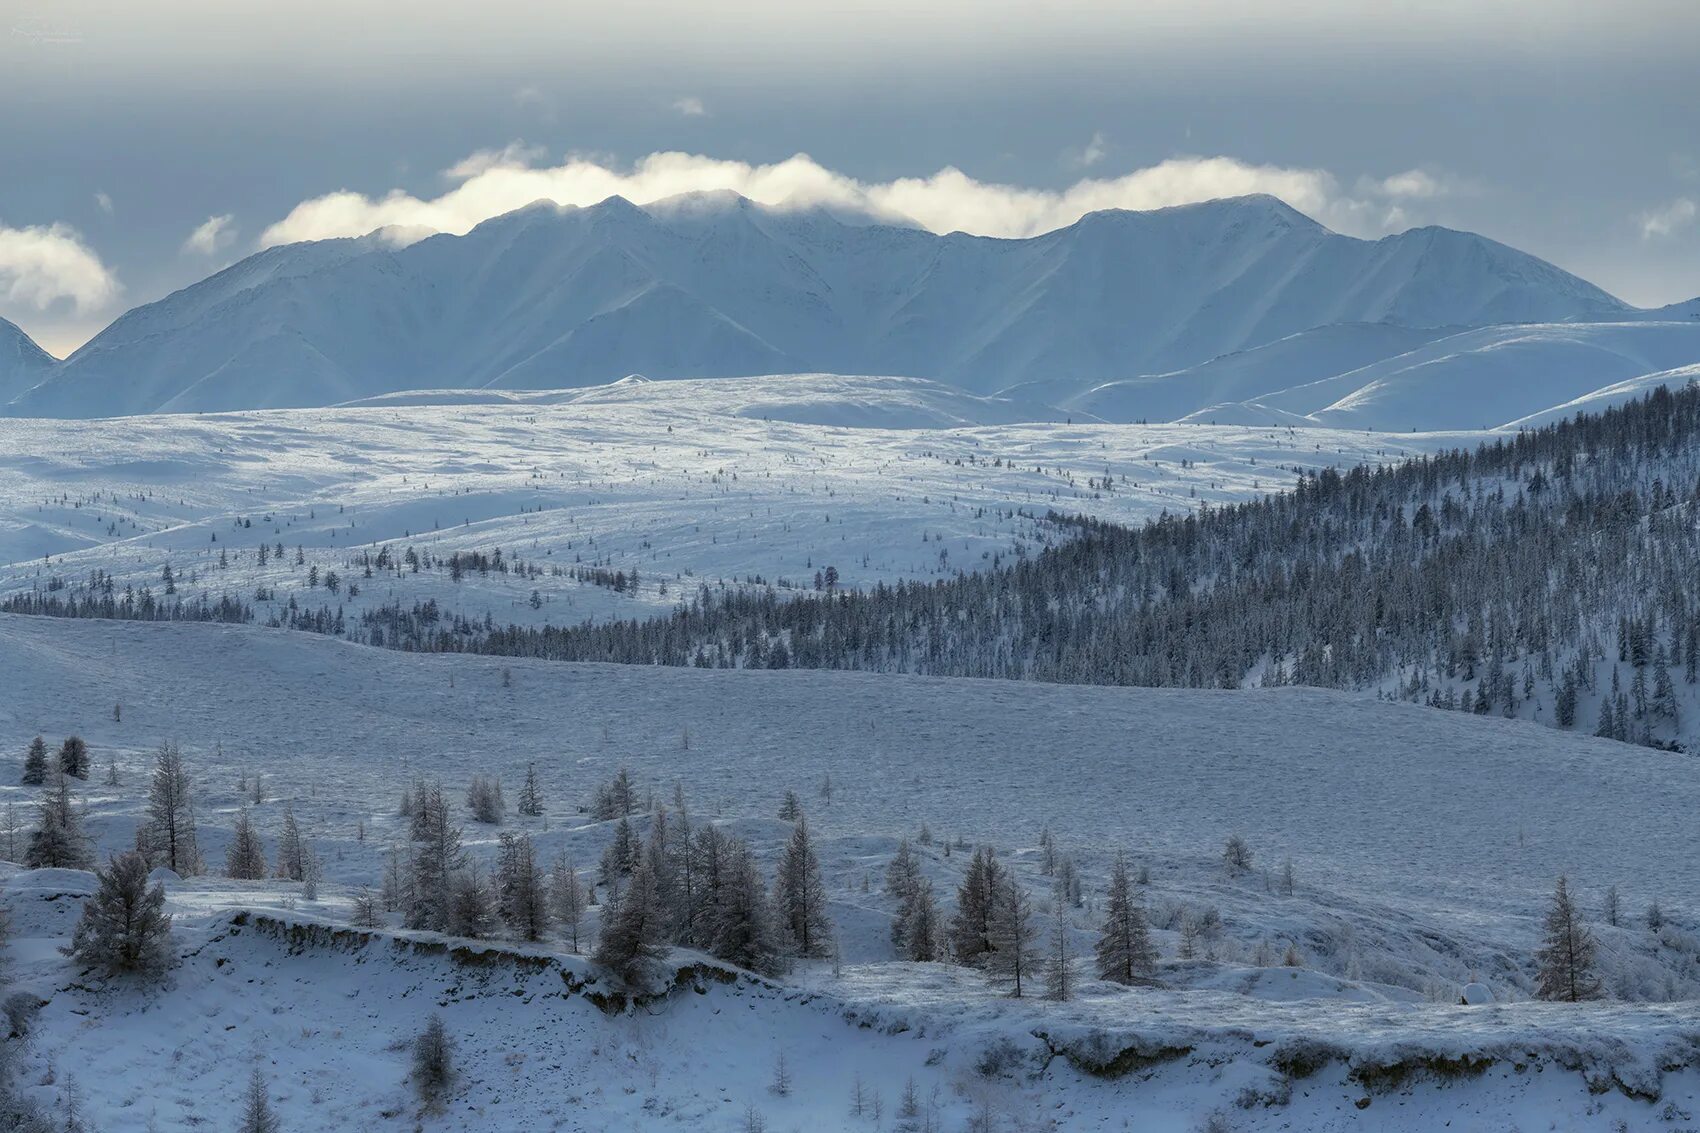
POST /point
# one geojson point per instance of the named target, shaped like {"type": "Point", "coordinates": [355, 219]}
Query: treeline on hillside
{"type": "Point", "coordinates": [1472, 579]}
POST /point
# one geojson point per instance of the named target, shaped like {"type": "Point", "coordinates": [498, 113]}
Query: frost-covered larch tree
{"type": "Point", "coordinates": [800, 894]}
{"type": "Point", "coordinates": [437, 857]}
{"type": "Point", "coordinates": [74, 757]}
{"type": "Point", "coordinates": [1014, 938]}
{"type": "Point", "coordinates": [291, 849]}
{"type": "Point", "coordinates": [531, 793]}
{"type": "Point", "coordinates": [168, 837]}
{"type": "Point", "coordinates": [57, 841]}
{"type": "Point", "coordinates": [632, 926]}
{"type": "Point", "coordinates": [1124, 951]}
{"type": "Point", "coordinates": [566, 900]}
{"type": "Point", "coordinates": [257, 1113]}
{"type": "Point", "coordinates": [522, 893]}
{"type": "Point", "coordinates": [124, 927]}
{"type": "Point", "coordinates": [970, 933]}
{"type": "Point", "coordinates": [1566, 958]}
{"type": "Point", "coordinates": [245, 860]}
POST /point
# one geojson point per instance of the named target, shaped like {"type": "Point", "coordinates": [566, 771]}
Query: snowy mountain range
{"type": "Point", "coordinates": [713, 285]}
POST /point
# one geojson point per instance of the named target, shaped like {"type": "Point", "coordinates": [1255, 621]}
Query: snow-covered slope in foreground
{"type": "Point", "coordinates": [713, 285]}
{"type": "Point", "coordinates": [1424, 844]}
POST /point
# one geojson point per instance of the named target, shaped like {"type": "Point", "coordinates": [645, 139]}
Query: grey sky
{"type": "Point", "coordinates": [1558, 127]}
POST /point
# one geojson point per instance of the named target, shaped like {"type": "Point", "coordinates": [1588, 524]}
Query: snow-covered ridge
{"type": "Point", "coordinates": [22, 362]}
{"type": "Point", "coordinates": [553, 298]}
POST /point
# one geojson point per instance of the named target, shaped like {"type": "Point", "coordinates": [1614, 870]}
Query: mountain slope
{"type": "Point", "coordinates": [22, 362]}
{"type": "Point", "coordinates": [1480, 378]}
{"type": "Point", "coordinates": [712, 285]}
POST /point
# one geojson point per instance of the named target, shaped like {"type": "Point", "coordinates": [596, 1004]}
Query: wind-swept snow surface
{"type": "Point", "coordinates": [686, 483]}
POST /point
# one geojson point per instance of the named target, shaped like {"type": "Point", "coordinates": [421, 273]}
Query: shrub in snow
{"type": "Point", "coordinates": [433, 1062]}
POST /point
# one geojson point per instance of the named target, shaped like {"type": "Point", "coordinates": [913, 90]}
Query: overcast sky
{"type": "Point", "coordinates": [144, 145]}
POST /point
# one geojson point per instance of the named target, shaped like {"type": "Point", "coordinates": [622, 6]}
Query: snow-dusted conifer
{"type": "Point", "coordinates": [74, 757]}
{"type": "Point", "coordinates": [970, 933]}
{"type": "Point", "coordinates": [58, 841]}
{"type": "Point", "coordinates": [437, 857]}
{"type": "Point", "coordinates": [632, 925]}
{"type": "Point", "coordinates": [531, 793]}
{"type": "Point", "coordinates": [1014, 938]}
{"type": "Point", "coordinates": [1566, 958]}
{"type": "Point", "coordinates": [800, 894]}
{"type": "Point", "coordinates": [169, 834]}
{"type": "Point", "coordinates": [245, 860]}
{"type": "Point", "coordinates": [124, 927]}
{"type": "Point", "coordinates": [35, 763]}
{"type": "Point", "coordinates": [921, 940]}
{"type": "Point", "coordinates": [522, 893]}
{"type": "Point", "coordinates": [257, 1113]}
{"type": "Point", "coordinates": [1124, 951]}
{"type": "Point", "coordinates": [744, 930]}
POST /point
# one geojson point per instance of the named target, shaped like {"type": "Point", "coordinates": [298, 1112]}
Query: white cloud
{"type": "Point", "coordinates": [104, 203]}
{"type": "Point", "coordinates": [513, 154]}
{"type": "Point", "coordinates": [1668, 218]}
{"type": "Point", "coordinates": [495, 182]}
{"type": "Point", "coordinates": [1413, 184]}
{"type": "Point", "coordinates": [690, 107]}
{"type": "Point", "coordinates": [1094, 151]}
{"type": "Point", "coordinates": [212, 237]}
{"type": "Point", "coordinates": [43, 265]}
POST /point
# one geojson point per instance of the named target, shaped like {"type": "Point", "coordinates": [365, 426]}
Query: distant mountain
{"type": "Point", "coordinates": [712, 285]}
{"type": "Point", "coordinates": [22, 362]}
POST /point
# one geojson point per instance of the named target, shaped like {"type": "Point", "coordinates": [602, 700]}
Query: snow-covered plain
{"type": "Point", "coordinates": [688, 483]}
{"type": "Point", "coordinates": [1424, 846]}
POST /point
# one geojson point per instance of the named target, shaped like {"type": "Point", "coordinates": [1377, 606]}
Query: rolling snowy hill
{"type": "Point", "coordinates": [712, 285]}
{"type": "Point", "coordinates": [1424, 844]}
{"type": "Point", "coordinates": [689, 483]}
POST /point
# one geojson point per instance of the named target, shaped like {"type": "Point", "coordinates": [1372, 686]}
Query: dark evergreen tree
{"type": "Point", "coordinates": [35, 763]}
{"type": "Point", "coordinates": [74, 757]}
{"type": "Point", "coordinates": [971, 932]}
